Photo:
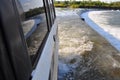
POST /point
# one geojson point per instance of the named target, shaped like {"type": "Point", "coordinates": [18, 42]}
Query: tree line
{"type": "Point", "coordinates": [87, 4]}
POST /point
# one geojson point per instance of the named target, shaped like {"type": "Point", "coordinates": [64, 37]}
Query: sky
{"type": "Point", "coordinates": [30, 4]}
{"type": "Point", "coordinates": [95, 0]}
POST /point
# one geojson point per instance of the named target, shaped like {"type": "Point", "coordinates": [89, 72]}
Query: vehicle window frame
{"type": "Point", "coordinates": [50, 21]}
{"type": "Point", "coordinates": [14, 42]}
{"type": "Point", "coordinates": [17, 52]}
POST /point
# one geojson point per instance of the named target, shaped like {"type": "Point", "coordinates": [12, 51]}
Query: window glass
{"type": "Point", "coordinates": [34, 24]}
{"type": "Point", "coordinates": [52, 9]}
{"type": "Point", "coordinates": [47, 13]}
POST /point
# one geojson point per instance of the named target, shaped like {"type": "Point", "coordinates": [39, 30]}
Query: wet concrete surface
{"type": "Point", "coordinates": [83, 53]}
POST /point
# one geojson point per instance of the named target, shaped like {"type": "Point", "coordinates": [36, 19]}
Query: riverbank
{"type": "Point", "coordinates": [83, 53]}
{"type": "Point", "coordinates": [88, 4]}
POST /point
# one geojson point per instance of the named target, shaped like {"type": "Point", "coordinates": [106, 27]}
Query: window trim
{"type": "Point", "coordinates": [53, 9]}
{"type": "Point", "coordinates": [14, 42]}
{"type": "Point", "coordinates": [38, 54]}
{"type": "Point", "coordinates": [47, 14]}
{"type": "Point", "coordinates": [36, 57]}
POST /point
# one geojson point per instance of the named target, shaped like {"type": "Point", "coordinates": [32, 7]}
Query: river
{"type": "Point", "coordinates": [83, 53]}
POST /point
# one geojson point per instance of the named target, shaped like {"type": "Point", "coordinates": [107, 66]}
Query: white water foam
{"type": "Point", "coordinates": [110, 33]}
{"type": "Point", "coordinates": [67, 12]}
{"type": "Point", "coordinates": [71, 44]}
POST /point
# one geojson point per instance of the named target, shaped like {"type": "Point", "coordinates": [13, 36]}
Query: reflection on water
{"type": "Point", "coordinates": [83, 53]}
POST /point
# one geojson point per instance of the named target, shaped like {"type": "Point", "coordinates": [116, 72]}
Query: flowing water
{"type": "Point", "coordinates": [83, 53]}
{"type": "Point", "coordinates": [109, 21]}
